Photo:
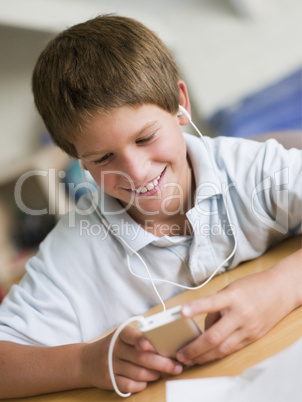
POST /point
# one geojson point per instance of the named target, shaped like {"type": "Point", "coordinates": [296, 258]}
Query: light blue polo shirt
{"type": "Point", "coordinates": [79, 285]}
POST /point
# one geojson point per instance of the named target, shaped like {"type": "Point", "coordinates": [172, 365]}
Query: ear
{"type": "Point", "coordinates": [184, 101]}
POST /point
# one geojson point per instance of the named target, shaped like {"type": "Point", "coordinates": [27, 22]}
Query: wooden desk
{"type": "Point", "coordinates": [281, 336]}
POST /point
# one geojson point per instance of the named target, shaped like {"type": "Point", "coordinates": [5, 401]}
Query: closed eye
{"type": "Point", "coordinates": [106, 157]}
{"type": "Point", "coordinates": [102, 159]}
{"type": "Point", "coordinates": [145, 139]}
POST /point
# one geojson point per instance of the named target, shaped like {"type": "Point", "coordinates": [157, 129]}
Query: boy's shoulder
{"type": "Point", "coordinates": [223, 142]}
{"type": "Point", "coordinates": [229, 147]}
{"type": "Point", "coordinates": [242, 160]}
{"type": "Point", "coordinates": [77, 232]}
{"type": "Point", "coordinates": [227, 150]}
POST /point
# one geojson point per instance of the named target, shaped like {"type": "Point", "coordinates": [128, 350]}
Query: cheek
{"type": "Point", "coordinates": [103, 179]}
{"type": "Point", "coordinates": [173, 150]}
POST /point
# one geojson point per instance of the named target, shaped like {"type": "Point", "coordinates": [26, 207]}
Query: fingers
{"type": "Point", "coordinates": [210, 341]}
{"type": "Point", "coordinates": [132, 336]}
{"type": "Point", "coordinates": [210, 304]}
{"type": "Point", "coordinates": [136, 373]}
{"type": "Point", "coordinates": [150, 360]}
{"type": "Point", "coordinates": [229, 346]}
{"type": "Point", "coordinates": [237, 315]}
{"type": "Point", "coordinates": [134, 368]}
{"type": "Point", "coordinates": [221, 327]}
{"type": "Point", "coordinates": [211, 319]}
{"type": "Point", "coordinates": [142, 353]}
{"type": "Point", "coordinates": [135, 358]}
{"type": "Point", "coordinates": [126, 385]}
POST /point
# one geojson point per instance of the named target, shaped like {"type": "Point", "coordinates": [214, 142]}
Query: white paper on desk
{"type": "Point", "coordinates": [277, 379]}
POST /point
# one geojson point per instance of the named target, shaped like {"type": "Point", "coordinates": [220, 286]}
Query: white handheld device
{"type": "Point", "coordinates": [169, 331]}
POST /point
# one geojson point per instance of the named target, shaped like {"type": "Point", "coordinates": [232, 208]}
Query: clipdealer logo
{"type": "Point", "coordinates": [270, 191]}
{"type": "Point", "coordinates": [273, 191]}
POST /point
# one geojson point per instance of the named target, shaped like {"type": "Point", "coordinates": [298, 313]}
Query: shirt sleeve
{"type": "Point", "coordinates": [41, 309]}
{"type": "Point", "coordinates": [37, 312]}
{"type": "Point", "coordinates": [265, 182]}
{"type": "Point", "coordinates": [276, 196]}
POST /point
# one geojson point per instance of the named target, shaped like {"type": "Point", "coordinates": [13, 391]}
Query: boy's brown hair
{"type": "Point", "coordinates": [104, 63]}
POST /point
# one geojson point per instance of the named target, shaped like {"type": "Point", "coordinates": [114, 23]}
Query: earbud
{"type": "Point", "coordinates": [81, 164]}
{"type": "Point", "coordinates": [183, 111]}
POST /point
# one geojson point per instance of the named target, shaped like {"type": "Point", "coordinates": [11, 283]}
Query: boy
{"type": "Point", "coordinates": [109, 93]}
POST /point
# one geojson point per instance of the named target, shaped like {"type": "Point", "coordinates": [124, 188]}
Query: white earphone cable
{"type": "Point", "coordinates": [110, 353]}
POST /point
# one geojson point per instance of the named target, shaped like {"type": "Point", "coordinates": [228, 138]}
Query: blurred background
{"type": "Point", "coordinates": [241, 60]}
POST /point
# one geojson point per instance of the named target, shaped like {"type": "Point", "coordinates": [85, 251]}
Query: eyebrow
{"type": "Point", "coordinates": [137, 134]}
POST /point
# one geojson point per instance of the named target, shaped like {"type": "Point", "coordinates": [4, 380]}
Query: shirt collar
{"type": "Point", "coordinates": [206, 180]}
{"type": "Point", "coordinates": [207, 185]}
{"type": "Point", "coordinates": [123, 224]}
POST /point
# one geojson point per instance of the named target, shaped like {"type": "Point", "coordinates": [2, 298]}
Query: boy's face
{"type": "Point", "coordinates": [138, 156]}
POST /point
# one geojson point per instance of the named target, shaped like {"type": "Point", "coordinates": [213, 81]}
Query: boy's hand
{"type": "Point", "coordinates": [243, 312]}
{"type": "Point", "coordinates": [135, 362]}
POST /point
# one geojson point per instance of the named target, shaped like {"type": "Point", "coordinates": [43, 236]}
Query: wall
{"type": "Point", "coordinates": [20, 125]}
{"type": "Point", "coordinates": [222, 55]}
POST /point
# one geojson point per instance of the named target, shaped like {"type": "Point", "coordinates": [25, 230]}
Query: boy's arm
{"type": "Point", "coordinates": [32, 370]}
{"type": "Point", "coordinates": [245, 310]}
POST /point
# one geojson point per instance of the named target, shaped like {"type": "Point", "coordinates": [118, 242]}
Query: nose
{"type": "Point", "coordinates": [135, 165]}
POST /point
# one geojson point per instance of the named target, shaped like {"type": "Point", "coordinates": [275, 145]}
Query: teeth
{"type": "Point", "coordinates": [148, 187]}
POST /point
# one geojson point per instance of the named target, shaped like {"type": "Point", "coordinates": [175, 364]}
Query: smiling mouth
{"type": "Point", "coordinates": [150, 188]}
